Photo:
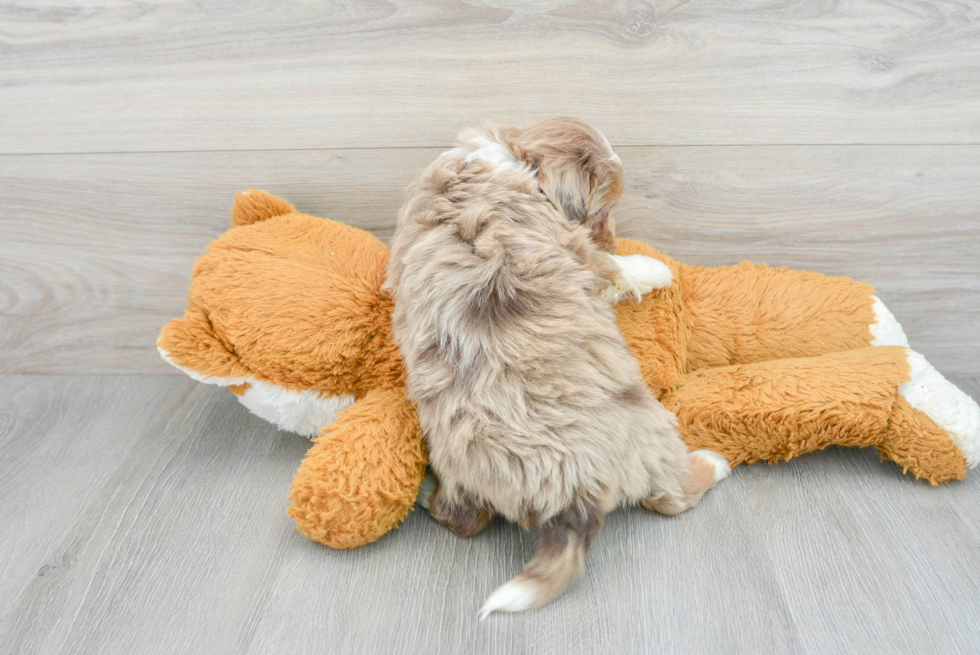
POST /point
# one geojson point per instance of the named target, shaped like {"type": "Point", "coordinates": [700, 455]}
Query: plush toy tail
{"type": "Point", "coordinates": [252, 206]}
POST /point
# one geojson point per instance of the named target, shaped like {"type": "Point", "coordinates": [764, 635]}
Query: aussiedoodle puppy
{"type": "Point", "coordinates": [529, 399]}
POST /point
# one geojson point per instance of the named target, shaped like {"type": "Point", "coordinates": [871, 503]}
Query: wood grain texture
{"type": "Point", "coordinates": [830, 515]}
{"type": "Point", "coordinates": [136, 530]}
{"type": "Point", "coordinates": [147, 514]}
{"type": "Point", "coordinates": [98, 249]}
{"type": "Point", "coordinates": [62, 440]}
{"type": "Point", "coordinates": [180, 75]}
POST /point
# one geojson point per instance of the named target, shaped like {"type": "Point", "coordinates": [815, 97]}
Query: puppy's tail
{"type": "Point", "coordinates": [558, 561]}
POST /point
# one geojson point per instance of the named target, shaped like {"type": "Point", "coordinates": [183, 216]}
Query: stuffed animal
{"type": "Point", "coordinates": [758, 363]}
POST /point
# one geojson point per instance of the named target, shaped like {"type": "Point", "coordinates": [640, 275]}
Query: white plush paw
{"type": "Point", "coordinates": [639, 275]}
{"type": "Point", "coordinates": [722, 468]}
{"type": "Point", "coordinates": [886, 330]}
{"type": "Point", "coordinates": [942, 401]}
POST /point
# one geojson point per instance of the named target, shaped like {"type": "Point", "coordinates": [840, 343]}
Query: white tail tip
{"type": "Point", "coordinates": [511, 597]}
{"type": "Point", "coordinates": [722, 468]}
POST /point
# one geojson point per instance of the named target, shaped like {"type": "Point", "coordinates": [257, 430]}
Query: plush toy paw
{"type": "Point", "coordinates": [639, 275]}
{"type": "Point", "coordinates": [942, 401]}
{"type": "Point", "coordinates": [886, 330]}
{"type": "Point", "coordinates": [360, 478]}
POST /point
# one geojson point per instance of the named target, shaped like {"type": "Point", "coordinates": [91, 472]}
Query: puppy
{"type": "Point", "coordinates": [530, 401]}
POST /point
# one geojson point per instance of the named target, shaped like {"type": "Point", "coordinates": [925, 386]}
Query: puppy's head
{"type": "Point", "coordinates": [577, 170]}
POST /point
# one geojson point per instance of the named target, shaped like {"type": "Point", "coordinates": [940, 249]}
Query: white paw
{"type": "Point", "coordinates": [427, 489]}
{"type": "Point", "coordinates": [886, 331]}
{"type": "Point", "coordinates": [722, 468]}
{"type": "Point", "coordinates": [942, 401]}
{"type": "Point", "coordinates": [640, 275]}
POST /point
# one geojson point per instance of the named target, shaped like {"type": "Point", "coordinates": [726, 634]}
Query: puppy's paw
{"type": "Point", "coordinates": [639, 275]}
{"type": "Point", "coordinates": [718, 463]}
{"type": "Point", "coordinates": [427, 489]}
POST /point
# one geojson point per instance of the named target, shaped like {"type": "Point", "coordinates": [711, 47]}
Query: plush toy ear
{"type": "Point", "coordinates": [190, 344]}
{"type": "Point", "coordinates": [252, 206]}
{"type": "Point", "coordinates": [362, 475]}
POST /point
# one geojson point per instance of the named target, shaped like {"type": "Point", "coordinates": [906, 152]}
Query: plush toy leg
{"type": "Point", "coordinates": [780, 409]}
{"type": "Point", "coordinates": [753, 313]}
{"type": "Point", "coordinates": [361, 477]}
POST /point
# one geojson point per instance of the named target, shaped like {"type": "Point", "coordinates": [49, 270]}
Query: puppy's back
{"type": "Point", "coordinates": [525, 388]}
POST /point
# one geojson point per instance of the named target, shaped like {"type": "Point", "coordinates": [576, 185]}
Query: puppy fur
{"type": "Point", "coordinates": [530, 401]}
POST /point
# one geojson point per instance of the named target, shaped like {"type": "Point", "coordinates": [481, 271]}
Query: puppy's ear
{"type": "Point", "coordinates": [567, 186]}
{"type": "Point", "coordinates": [603, 228]}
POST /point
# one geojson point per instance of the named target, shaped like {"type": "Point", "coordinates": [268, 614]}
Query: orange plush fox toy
{"type": "Point", "coordinates": [287, 311]}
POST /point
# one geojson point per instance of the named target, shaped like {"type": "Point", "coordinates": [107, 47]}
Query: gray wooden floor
{"type": "Point", "coordinates": [142, 512]}
{"type": "Point", "coordinates": [146, 514]}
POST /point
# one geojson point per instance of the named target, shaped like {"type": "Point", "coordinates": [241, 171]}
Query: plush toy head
{"type": "Point", "coordinates": [287, 311]}
{"type": "Point", "coordinates": [329, 338]}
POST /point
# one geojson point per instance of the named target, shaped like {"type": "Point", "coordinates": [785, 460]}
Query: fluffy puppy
{"type": "Point", "coordinates": [530, 401]}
